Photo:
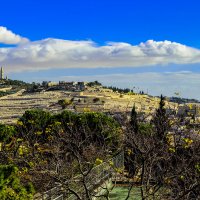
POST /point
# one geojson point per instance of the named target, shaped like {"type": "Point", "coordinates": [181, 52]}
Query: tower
{"type": "Point", "coordinates": [2, 74]}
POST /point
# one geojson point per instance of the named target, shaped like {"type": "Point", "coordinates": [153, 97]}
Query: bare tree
{"type": "Point", "coordinates": [163, 157]}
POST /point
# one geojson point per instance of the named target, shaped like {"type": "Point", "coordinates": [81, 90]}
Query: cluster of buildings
{"type": "Point", "coordinates": [63, 85]}
{"type": "Point", "coordinates": [189, 109]}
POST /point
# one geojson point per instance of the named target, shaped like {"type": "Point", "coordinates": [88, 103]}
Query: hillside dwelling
{"type": "Point", "coordinates": [1, 74]}
{"type": "Point", "coordinates": [182, 110]}
{"type": "Point", "coordinates": [194, 108]}
{"type": "Point", "coordinates": [188, 109]}
{"type": "Point", "coordinates": [50, 84]}
{"type": "Point", "coordinates": [65, 83]}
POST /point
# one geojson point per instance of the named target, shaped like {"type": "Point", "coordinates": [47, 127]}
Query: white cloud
{"type": "Point", "coordinates": [56, 53]}
{"type": "Point", "coordinates": [8, 37]}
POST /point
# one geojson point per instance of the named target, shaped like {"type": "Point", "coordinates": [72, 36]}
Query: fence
{"type": "Point", "coordinates": [94, 179]}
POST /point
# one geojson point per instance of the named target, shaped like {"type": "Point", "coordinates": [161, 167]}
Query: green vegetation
{"type": "Point", "coordinates": [6, 132]}
{"type": "Point", "coordinates": [133, 120]}
{"type": "Point", "coordinates": [120, 90]}
{"type": "Point", "coordinates": [161, 154]}
{"type": "Point", "coordinates": [64, 103]}
{"type": "Point", "coordinates": [2, 93]}
{"type": "Point", "coordinates": [95, 100]}
{"type": "Point", "coordinates": [15, 83]}
{"type": "Point", "coordinates": [40, 140]}
{"type": "Point", "coordinates": [94, 83]}
{"type": "Point", "coordinates": [120, 193]}
{"type": "Point", "coordinates": [10, 185]}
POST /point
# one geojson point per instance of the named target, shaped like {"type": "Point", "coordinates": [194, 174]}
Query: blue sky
{"type": "Point", "coordinates": [150, 45]}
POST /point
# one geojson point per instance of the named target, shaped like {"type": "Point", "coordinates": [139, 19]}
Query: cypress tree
{"type": "Point", "coordinates": [134, 120]}
{"type": "Point", "coordinates": [160, 120]}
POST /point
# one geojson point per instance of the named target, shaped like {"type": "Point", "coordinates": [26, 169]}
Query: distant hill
{"type": "Point", "coordinates": [10, 82]}
{"type": "Point", "coordinates": [9, 86]}
{"type": "Point", "coordinates": [182, 100]}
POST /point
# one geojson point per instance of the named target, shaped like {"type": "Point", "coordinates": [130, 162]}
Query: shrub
{"type": "Point", "coordinates": [11, 187]}
{"type": "Point", "coordinates": [95, 100]}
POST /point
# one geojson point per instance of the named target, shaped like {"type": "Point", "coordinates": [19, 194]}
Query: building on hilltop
{"type": "Point", "coordinates": [2, 74]}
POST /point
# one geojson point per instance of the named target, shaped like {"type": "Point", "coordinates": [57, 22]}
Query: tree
{"type": "Point", "coordinates": [58, 148]}
{"type": "Point", "coordinates": [160, 120]}
{"type": "Point", "coordinates": [94, 83]}
{"type": "Point", "coordinates": [95, 100]}
{"type": "Point", "coordinates": [64, 103]}
{"type": "Point", "coordinates": [134, 120]}
{"type": "Point", "coordinates": [11, 187]}
{"type": "Point", "coordinates": [166, 160]}
{"type": "Point", "coordinates": [6, 132]}
{"type": "Point", "coordinates": [32, 125]}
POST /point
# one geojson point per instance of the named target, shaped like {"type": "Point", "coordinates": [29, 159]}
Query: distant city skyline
{"type": "Point", "coordinates": [152, 46]}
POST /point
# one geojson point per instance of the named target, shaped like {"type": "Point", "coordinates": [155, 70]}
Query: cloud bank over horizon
{"type": "Point", "coordinates": [54, 53]}
{"type": "Point", "coordinates": [8, 37]}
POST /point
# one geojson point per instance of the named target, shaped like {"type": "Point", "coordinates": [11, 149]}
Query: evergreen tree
{"type": "Point", "coordinates": [134, 120]}
{"type": "Point", "coordinates": [160, 120]}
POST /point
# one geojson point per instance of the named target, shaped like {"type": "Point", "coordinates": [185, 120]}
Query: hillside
{"type": "Point", "coordinates": [93, 99]}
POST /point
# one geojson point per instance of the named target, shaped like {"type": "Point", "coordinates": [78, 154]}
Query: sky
{"type": "Point", "coordinates": [146, 45]}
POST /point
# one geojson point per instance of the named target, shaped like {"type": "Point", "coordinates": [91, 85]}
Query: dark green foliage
{"type": "Point", "coordinates": [15, 82]}
{"type": "Point", "coordinates": [101, 129]}
{"type": "Point", "coordinates": [104, 129]}
{"type": "Point", "coordinates": [145, 128]}
{"type": "Point", "coordinates": [64, 102]}
{"type": "Point", "coordinates": [16, 86]}
{"type": "Point", "coordinates": [2, 93]}
{"type": "Point", "coordinates": [11, 187]}
{"type": "Point", "coordinates": [6, 132]}
{"type": "Point", "coordinates": [95, 100]}
{"type": "Point", "coordinates": [160, 120]}
{"type": "Point", "coordinates": [65, 117]}
{"type": "Point", "coordinates": [37, 119]}
{"type": "Point", "coordinates": [33, 124]}
{"type": "Point", "coordinates": [88, 128]}
{"type": "Point", "coordinates": [120, 90]}
{"type": "Point", "coordinates": [45, 139]}
{"type": "Point", "coordinates": [94, 83]}
{"type": "Point", "coordinates": [134, 120]}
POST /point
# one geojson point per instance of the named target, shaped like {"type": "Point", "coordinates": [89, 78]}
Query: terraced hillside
{"type": "Point", "coordinates": [14, 105]}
